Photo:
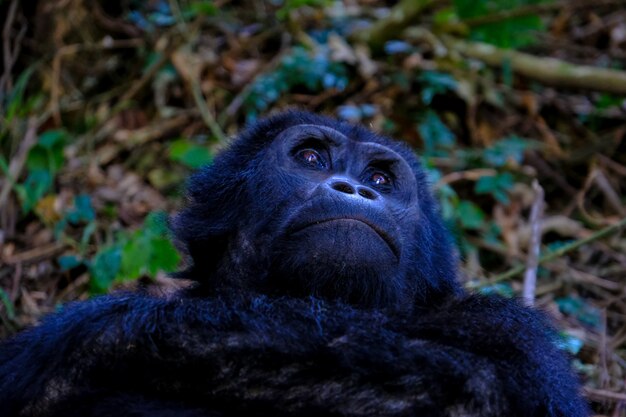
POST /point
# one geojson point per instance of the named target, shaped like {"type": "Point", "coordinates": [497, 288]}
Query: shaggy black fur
{"type": "Point", "coordinates": [324, 289]}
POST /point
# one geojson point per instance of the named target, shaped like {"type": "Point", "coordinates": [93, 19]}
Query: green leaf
{"type": "Point", "coordinates": [156, 223]}
{"type": "Point", "coordinates": [38, 159]}
{"type": "Point", "coordinates": [498, 186]}
{"type": "Point", "coordinates": [581, 309]}
{"type": "Point", "coordinates": [68, 262]}
{"type": "Point", "coordinates": [569, 343]}
{"type": "Point", "coordinates": [8, 304]}
{"type": "Point", "coordinates": [43, 161]}
{"type": "Point", "coordinates": [513, 32]}
{"type": "Point", "coordinates": [52, 138]}
{"type": "Point", "coordinates": [82, 210]}
{"type": "Point", "coordinates": [445, 16]}
{"type": "Point", "coordinates": [105, 267]}
{"type": "Point", "coordinates": [144, 253]}
{"type": "Point", "coordinates": [135, 257]}
{"type": "Point", "coordinates": [606, 101]}
{"type": "Point", "coordinates": [470, 215]}
{"type": "Point", "coordinates": [163, 256]}
{"type": "Point", "coordinates": [501, 288]}
{"type": "Point", "coordinates": [434, 83]}
{"type": "Point", "coordinates": [189, 154]}
{"type": "Point", "coordinates": [435, 134]}
{"type": "Point", "coordinates": [200, 8]}
{"type": "Point", "coordinates": [312, 71]}
{"type": "Point", "coordinates": [48, 153]}
{"type": "Point", "coordinates": [511, 148]}
{"type": "Point", "coordinates": [558, 244]}
{"type": "Point", "coordinates": [448, 198]}
{"type": "Point", "coordinates": [15, 104]}
{"type": "Point", "coordinates": [37, 184]}
{"type": "Point", "coordinates": [88, 231]}
{"type": "Point", "coordinates": [510, 33]}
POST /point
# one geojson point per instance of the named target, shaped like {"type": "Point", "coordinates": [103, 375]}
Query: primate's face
{"type": "Point", "coordinates": [341, 213]}
{"type": "Point", "coordinates": [307, 206]}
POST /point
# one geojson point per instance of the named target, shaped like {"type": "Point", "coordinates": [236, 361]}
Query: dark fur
{"type": "Point", "coordinates": [221, 196]}
{"type": "Point", "coordinates": [234, 346]}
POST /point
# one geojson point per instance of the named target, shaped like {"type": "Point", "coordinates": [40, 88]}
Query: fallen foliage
{"type": "Point", "coordinates": [108, 106]}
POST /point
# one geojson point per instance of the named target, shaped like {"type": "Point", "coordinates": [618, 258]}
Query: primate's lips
{"type": "Point", "coordinates": [379, 231]}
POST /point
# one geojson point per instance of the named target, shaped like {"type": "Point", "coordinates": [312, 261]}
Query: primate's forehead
{"type": "Point", "coordinates": [337, 133]}
{"type": "Point", "coordinates": [326, 131]}
{"type": "Point", "coordinates": [332, 134]}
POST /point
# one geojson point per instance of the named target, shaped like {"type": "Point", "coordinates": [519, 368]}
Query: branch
{"type": "Point", "coordinates": [18, 161]}
{"type": "Point", "coordinates": [192, 76]}
{"type": "Point", "coordinates": [562, 250]}
{"type": "Point", "coordinates": [546, 70]}
{"type": "Point", "coordinates": [532, 263]}
{"type": "Point", "coordinates": [604, 394]}
{"type": "Point", "coordinates": [207, 115]}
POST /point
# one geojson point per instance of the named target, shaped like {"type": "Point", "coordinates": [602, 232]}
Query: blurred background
{"type": "Point", "coordinates": [517, 109]}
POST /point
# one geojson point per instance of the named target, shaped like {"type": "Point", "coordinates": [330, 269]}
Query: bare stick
{"type": "Point", "coordinates": [6, 40]}
{"type": "Point", "coordinates": [562, 250]}
{"type": "Point", "coordinates": [193, 79]}
{"type": "Point", "coordinates": [547, 70]}
{"type": "Point", "coordinates": [207, 115]}
{"type": "Point", "coordinates": [17, 162]}
{"type": "Point", "coordinates": [534, 247]}
{"type": "Point", "coordinates": [604, 394]}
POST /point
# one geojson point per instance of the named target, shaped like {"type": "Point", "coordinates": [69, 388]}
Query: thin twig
{"type": "Point", "coordinates": [582, 276]}
{"type": "Point", "coordinates": [55, 89]}
{"type": "Point", "coordinates": [562, 250]}
{"type": "Point", "coordinates": [207, 115]}
{"type": "Point", "coordinates": [10, 56]}
{"type": "Point", "coordinates": [547, 70]}
{"type": "Point", "coordinates": [147, 76]}
{"type": "Point", "coordinates": [611, 195]}
{"type": "Point", "coordinates": [17, 162]}
{"type": "Point", "coordinates": [155, 67]}
{"type": "Point", "coordinates": [534, 247]}
{"type": "Point", "coordinates": [604, 394]}
{"type": "Point", "coordinates": [238, 101]}
{"type": "Point", "coordinates": [194, 81]}
{"type": "Point", "coordinates": [619, 169]}
{"type": "Point", "coordinates": [6, 47]}
{"type": "Point", "coordinates": [37, 253]}
{"type": "Point", "coordinates": [73, 49]}
{"type": "Point", "coordinates": [470, 174]}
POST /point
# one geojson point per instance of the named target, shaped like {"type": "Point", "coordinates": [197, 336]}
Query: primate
{"type": "Point", "coordinates": [325, 285]}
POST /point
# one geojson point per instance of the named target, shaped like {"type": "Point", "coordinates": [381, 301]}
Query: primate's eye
{"type": "Point", "coordinates": [311, 158]}
{"type": "Point", "coordinates": [378, 178]}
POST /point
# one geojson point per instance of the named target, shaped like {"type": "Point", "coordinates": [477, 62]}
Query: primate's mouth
{"type": "Point", "coordinates": [391, 243]}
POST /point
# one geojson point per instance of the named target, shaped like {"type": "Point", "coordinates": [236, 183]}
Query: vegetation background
{"type": "Point", "coordinates": [517, 109]}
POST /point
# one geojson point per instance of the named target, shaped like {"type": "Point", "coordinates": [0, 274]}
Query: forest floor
{"type": "Point", "coordinates": [517, 109]}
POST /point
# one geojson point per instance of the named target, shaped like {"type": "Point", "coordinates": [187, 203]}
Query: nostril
{"type": "Point", "coordinates": [343, 187]}
{"type": "Point", "coordinates": [367, 193]}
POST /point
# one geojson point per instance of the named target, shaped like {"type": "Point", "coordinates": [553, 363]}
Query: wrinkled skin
{"type": "Point", "coordinates": [326, 285]}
